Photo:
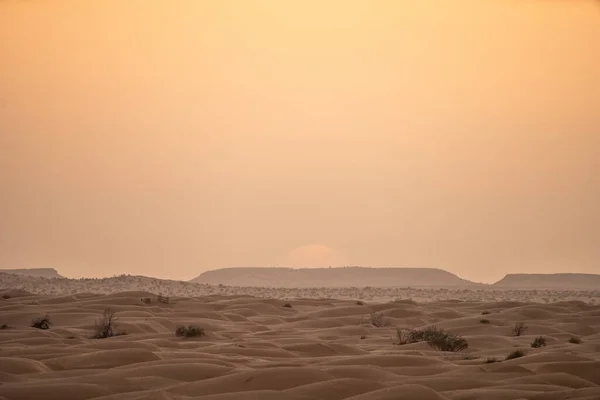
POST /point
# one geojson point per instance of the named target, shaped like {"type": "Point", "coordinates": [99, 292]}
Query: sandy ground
{"type": "Point", "coordinates": [316, 349]}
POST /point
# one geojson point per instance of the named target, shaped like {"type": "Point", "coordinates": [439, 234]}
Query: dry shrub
{"type": "Point", "coordinates": [378, 320]}
{"type": "Point", "coordinates": [539, 341]}
{"type": "Point", "coordinates": [106, 325]}
{"type": "Point", "coordinates": [519, 329]}
{"type": "Point", "coordinates": [189, 331]}
{"type": "Point", "coordinates": [515, 354]}
{"type": "Point", "coordinates": [436, 338]}
{"type": "Point", "coordinates": [41, 322]}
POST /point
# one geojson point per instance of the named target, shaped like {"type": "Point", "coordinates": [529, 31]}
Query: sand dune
{"type": "Point", "coordinates": [297, 349]}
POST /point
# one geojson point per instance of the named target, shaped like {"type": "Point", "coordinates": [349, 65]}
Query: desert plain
{"type": "Point", "coordinates": [287, 344]}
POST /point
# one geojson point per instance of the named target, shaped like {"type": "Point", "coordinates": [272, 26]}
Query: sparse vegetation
{"type": "Point", "coordinates": [41, 322]}
{"type": "Point", "coordinates": [4, 326]}
{"type": "Point", "coordinates": [484, 321]}
{"type": "Point", "coordinates": [515, 354]}
{"type": "Point", "coordinates": [406, 336]}
{"type": "Point", "coordinates": [575, 340]}
{"type": "Point", "coordinates": [491, 360]}
{"type": "Point", "coordinates": [106, 326]}
{"type": "Point", "coordinates": [287, 305]}
{"type": "Point", "coordinates": [360, 303]}
{"type": "Point", "coordinates": [539, 341]}
{"type": "Point", "coordinates": [189, 331]}
{"type": "Point", "coordinates": [449, 342]}
{"type": "Point", "coordinates": [378, 320]}
{"type": "Point", "coordinates": [486, 312]}
{"type": "Point", "coordinates": [519, 329]}
{"type": "Point", "coordinates": [436, 338]}
{"type": "Point", "coordinates": [6, 296]}
{"type": "Point", "coordinates": [363, 337]}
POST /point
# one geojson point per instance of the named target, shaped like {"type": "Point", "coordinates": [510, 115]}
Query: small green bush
{"type": "Point", "coordinates": [515, 354]}
{"type": "Point", "coordinates": [41, 322]}
{"type": "Point", "coordinates": [539, 341]}
{"type": "Point", "coordinates": [189, 331]}
{"type": "Point", "coordinates": [575, 340]}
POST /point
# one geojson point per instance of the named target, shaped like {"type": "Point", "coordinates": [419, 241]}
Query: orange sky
{"type": "Point", "coordinates": [169, 137]}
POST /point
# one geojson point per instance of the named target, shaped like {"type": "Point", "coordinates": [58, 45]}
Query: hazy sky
{"type": "Point", "coordinates": [166, 138]}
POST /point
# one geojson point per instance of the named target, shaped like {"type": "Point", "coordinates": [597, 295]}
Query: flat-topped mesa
{"type": "Point", "coordinates": [333, 277]}
{"type": "Point", "coordinates": [549, 281]}
{"type": "Point", "coordinates": [37, 272]}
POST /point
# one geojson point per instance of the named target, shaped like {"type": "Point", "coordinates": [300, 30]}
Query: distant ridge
{"type": "Point", "coordinates": [333, 277]}
{"type": "Point", "coordinates": [549, 281]}
{"type": "Point", "coordinates": [37, 272]}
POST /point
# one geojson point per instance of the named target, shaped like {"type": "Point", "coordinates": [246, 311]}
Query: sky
{"type": "Point", "coordinates": [167, 138]}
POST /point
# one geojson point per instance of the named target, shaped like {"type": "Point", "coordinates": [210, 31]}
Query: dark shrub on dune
{"type": "Point", "coordinates": [539, 341]}
{"type": "Point", "coordinates": [189, 331]}
{"type": "Point", "coordinates": [449, 342]}
{"type": "Point", "coordinates": [106, 326]}
{"type": "Point", "coordinates": [41, 322]}
{"type": "Point", "coordinates": [436, 338]}
{"type": "Point", "coordinates": [519, 329]}
{"type": "Point", "coordinates": [515, 354]}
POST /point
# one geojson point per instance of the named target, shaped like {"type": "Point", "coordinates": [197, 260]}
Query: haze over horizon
{"type": "Point", "coordinates": [168, 138]}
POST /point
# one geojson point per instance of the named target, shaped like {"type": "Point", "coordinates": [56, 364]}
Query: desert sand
{"type": "Point", "coordinates": [289, 347]}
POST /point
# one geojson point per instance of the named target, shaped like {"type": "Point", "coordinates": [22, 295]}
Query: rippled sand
{"type": "Point", "coordinates": [316, 349]}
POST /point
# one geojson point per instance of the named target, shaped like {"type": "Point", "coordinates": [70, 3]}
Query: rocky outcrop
{"type": "Point", "coordinates": [333, 277]}
{"type": "Point", "coordinates": [549, 281]}
{"type": "Point", "coordinates": [38, 272]}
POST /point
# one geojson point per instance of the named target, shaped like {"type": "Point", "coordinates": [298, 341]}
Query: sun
{"type": "Point", "coordinates": [314, 256]}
